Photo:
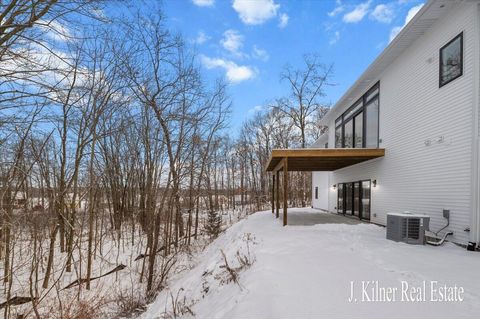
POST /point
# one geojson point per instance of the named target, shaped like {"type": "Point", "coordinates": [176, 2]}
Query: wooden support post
{"type": "Point", "coordinates": [285, 189]}
{"type": "Point", "coordinates": [273, 193]}
{"type": "Point", "coordinates": [277, 194]}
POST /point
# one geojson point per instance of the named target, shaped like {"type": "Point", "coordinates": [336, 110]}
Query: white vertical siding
{"type": "Point", "coordinates": [475, 216]}
{"type": "Point", "coordinates": [320, 180]}
{"type": "Point", "coordinates": [413, 109]}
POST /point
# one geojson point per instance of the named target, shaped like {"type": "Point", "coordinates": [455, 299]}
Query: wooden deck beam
{"type": "Point", "coordinates": [279, 166]}
{"type": "Point", "coordinates": [285, 191]}
{"type": "Point", "coordinates": [321, 159]}
{"type": "Point", "coordinates": [277, 196]}
{"type": "Point", "coordinates": [273, 193]}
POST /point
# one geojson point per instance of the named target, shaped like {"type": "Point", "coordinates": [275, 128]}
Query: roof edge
{"type": "Point", "coordinates": [372, 65]}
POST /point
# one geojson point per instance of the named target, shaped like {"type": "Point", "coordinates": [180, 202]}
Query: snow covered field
{"type": "Point", "coordinates": [307, 272]}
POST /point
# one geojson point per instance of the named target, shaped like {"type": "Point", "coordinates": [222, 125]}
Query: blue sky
{"type": "Point", "coordinates": [249, 41]}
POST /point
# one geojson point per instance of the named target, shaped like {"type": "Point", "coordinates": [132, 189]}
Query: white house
{"type": "Point", "coordinates": [419, 101]}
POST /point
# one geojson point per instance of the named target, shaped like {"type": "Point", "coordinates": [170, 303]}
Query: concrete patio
{"type": "Point", "coordinates": [307, 216]}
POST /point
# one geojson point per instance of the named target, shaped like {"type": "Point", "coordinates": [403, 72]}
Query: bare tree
{"type": "Point", "coordinates": [307, 87]}
{"type": "Point", "coordinates": [112, 144]}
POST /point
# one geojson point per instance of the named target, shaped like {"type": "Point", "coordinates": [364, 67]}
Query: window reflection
{"type": "Point", "coordinates": [358, 126]}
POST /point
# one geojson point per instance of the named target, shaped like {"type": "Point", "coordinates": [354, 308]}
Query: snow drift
{"type": "Point", "coordinates": [307, 272]}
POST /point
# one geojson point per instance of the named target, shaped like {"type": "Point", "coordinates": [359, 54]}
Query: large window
{"type": "Point", "coordinates": [371, 123]}
{"type": "Point", "coordinates": [340, 198]}
{"type": "Point", "coordinates": [348, 199]}
{"type": "Point", "coordinates": [358, 136]}
{"type": "Point", "coordinates": [339, 136]}
{"type": "Point", "coordinates": [451, 60]}
{"type": "Point", "coordinates": [365, 206]}
{"type": "Point", "coordinates": [354, 199]}
{"type": "Point", "coordinates": [348, 134]}
{"type": "Point", "coordinates": [358, 126]}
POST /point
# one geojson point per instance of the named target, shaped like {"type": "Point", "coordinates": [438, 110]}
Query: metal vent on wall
{"type": "Point", "coordinates": [411, 228]}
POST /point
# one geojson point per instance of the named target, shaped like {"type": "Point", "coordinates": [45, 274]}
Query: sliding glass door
{"type": "Point", "coordinates": [341, 196]}
{"type": "Point", "coordinates": [348, 198]}
{"type": "Point", "coordinates": [365, 198]}
{"type": "Point", "coordinates": [354, 199]}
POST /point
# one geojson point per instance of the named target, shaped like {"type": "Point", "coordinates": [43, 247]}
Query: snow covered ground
{"type": "Point", "coordinates": [307, 272]}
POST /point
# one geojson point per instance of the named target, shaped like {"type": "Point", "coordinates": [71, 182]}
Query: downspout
{"type": "Point", "coordinates": [475, 218]}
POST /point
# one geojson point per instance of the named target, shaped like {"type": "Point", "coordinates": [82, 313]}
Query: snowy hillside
{"type": "Point", "coordinates": [306, 272]}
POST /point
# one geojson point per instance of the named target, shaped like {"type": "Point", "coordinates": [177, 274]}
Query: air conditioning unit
{"type": "Point", "coordinates": [407, 227]}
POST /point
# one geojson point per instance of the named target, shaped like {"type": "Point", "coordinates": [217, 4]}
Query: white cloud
{"type": "Point", "coordinates": [283, 20]}
{"type": "Point", "coordinates": [256, 109]}
{"type": "Point", "coordinates": [358, 13]}
{"type": "Point", "coordinates": [335, 38]}
{"type": "Point", "coordinates": [255, 12]}
{"type": "Point", "coordinates": [339, 8]}
{"type": "Point", "coordinates": [54, 30]}
{"type": "Point", "coordinates": [235, 73]}
{"type": "Point", "coordinates": [201, 38]}
{"type": "Point", "coordinates": [394, 32]}
{"type": "Point", "coordinates": [203, 3]}
{"type": "Point", "coordinates": [232, 41]}
{"type": "Point", "coordinates": [411, 13]}
{"type": "Point", "coordinates": [51, 66]}
{"type": "Point", "coordinates": [383, 13]}
{"type": "Point", "coordinates": [260, 54]}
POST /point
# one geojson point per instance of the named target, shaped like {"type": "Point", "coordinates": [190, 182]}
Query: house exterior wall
{"type": "Point", "coordinates": [321, 181]}
{"type": "Point", "coordinates": [475, 216]}
{"type": "Point", "coordinates": [413, 110]}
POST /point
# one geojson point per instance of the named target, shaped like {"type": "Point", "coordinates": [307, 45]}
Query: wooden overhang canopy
{"type": "Point", "coordinates": [311, 159]}
{"type": "Point", "coordinates": [320, 159]}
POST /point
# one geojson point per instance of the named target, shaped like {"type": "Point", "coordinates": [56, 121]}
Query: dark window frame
{"type": "Point", "coordinates": [362, 213]}
{"type": "Point", "coordinates": [341, 120]}
{"type": "Point", "coordinates": [378, 120]}
{"type": "Point", "coordinates": [363, 120]}
{"type": "Point", "coordinates": [343, 211]}
{"type": "Point", "coordinates": [337, 126]}
{"type": "Point", "coordinates": [316, 192]}
{"type": "Point", "coordinates": [340, 188]}
{"type": "Point", "coordinates": [346, 121]}
{"type": "Point", "coordinates": [440, 69]}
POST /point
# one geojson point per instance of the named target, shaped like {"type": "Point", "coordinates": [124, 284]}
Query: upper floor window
{"type": "Point", "coordinates": [371, 123]}
{"type": "Point", "coordinates": [348, 133]}
{"type": "Point", "coordinates": [451, 60]}
{"type": "Point", "coordinates": [358, 126]}
{"type": "Point", "coordinates": [338, 133]}
{"type": "Point", "coordinates": [358, 133]}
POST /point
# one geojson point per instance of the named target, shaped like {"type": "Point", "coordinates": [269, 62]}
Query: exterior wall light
{"type": "Point", "coordinates": [374, 183]}
{"type": "Point", "coordinates": [334, 186]}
